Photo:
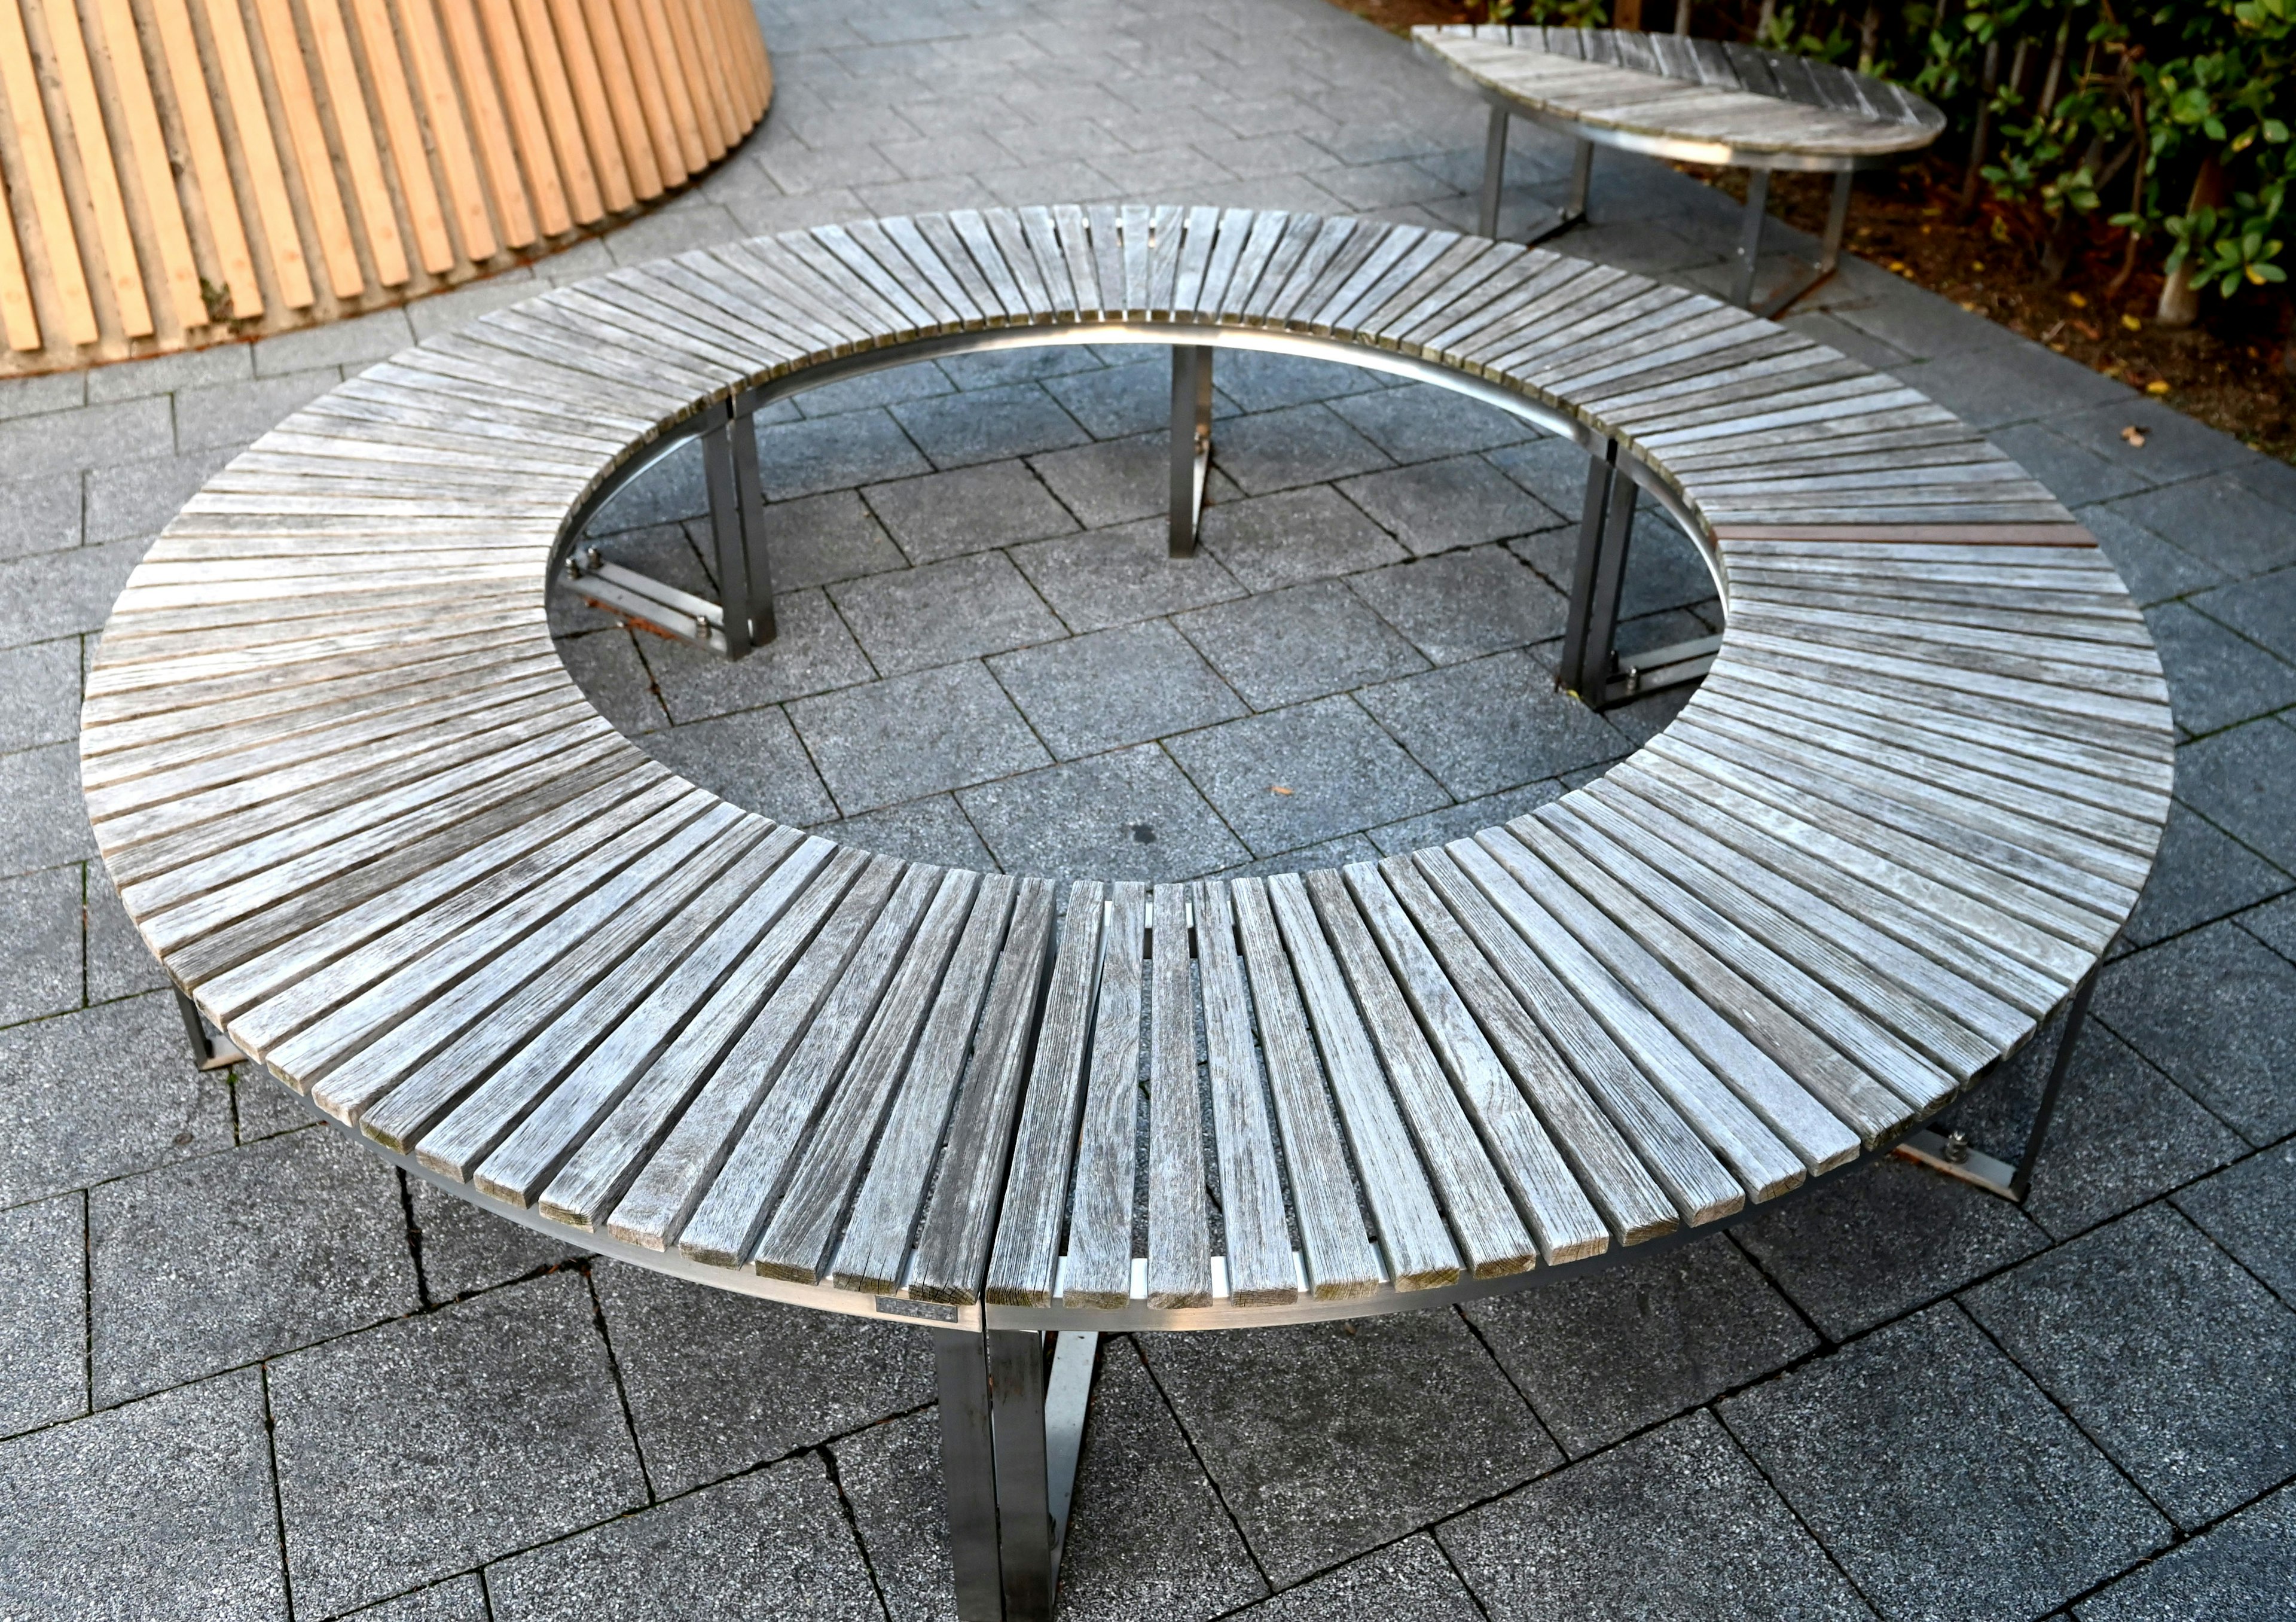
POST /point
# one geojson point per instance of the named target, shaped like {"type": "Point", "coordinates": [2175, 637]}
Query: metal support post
{"type": "Point", "coordinates": [1605, 526]}
{"type": "Point", "coordinates": [1750, 235]}
{"type": "Point", "coordinates": [211, 1049]}
{"type": "Point", "coordinates": [1011, 1432]}
{"type": "Point", "coordinates": [1192, 442]}
{"type": "Point", "coordinates": [1493, 173]}
{"type": "Point", "coordinates": [968, 1468]}
{"type": "Point", "coordinates": [737, 522]}
{"type": "Point", "coordinates": [1829, 255]}
{"type": "Point", "coordinates": [1573, 212]}
{"type": "Point", "coordinates": [1950, 1152]}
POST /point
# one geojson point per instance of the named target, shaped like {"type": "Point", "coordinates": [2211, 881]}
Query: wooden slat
{"type": "Point", "coordinates": [1097, 1271]}
{"type": "Point", "coordinates": [555, 91]}
{"type": "Point", "coordinates": [355, 128]}
{"type": "Point", "coordinates": [446, 120]}
{"type": "Point", "coordinates": [482, 104]}
{"type": "Point", "coordinates": [599, 115]}
{"type": "Point", "coordinates": [410, 160]}
{"type": "Point", "coordinates": [1260, 1270]}
{"type": "Point", "coordinates": [28, 122]}
{"type": "Point", "coordinates": [515, 74]}
{"type": "Point", "coordinates": [1179, 1251]}
{"type": "Point", "coordinates": [19, 323]}
{"type": "Point", "coordinates": [114, 40]}
{"type": "Point", "coordinates": [314, 165]}
{"type": "Point", "coordinates": [121, 276]}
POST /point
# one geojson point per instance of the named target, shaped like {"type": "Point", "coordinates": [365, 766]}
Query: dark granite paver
{"type": "Point", "coordinates": [1279, 647]}
{"type": "Point", "coordinates": [988, 425]}
{"type": "Point", "coordinates": [2212, 1008]}
{"type": "Point", "coordinates": [830, 537]}
{"type": "Point", "coordinates": [465, 1249]}
{"type": "Point", "coordinates": [1602, 1356]}
{"type": "Point", "coordinates": [1408, 1579]}
{"type": "Point", "coordinates": [1492, 724]}
{"type": "Point", "coordinates": [1294, 778]}
{"type": "Point", "coordinates": [39, 694]}
{"type": "Point", "coordinates": [1418, 422]}
{"type": "Point", "coordinates": [2217, 678]}
{"type": "Point", "coordinates": [1677, 1523]}
{"type": "Point", "coordinates": [2239, 779]}
{"type": "Point", "coordinates": [1129, 814]}
{"type": "Point", "coordinates": [2220, 520]}
{"type": "Point", "coordinates": [429, 1445]}
{"type": "Point", "coordinates": [937, 614]}
{"type": "Point", "coordinates": [1113, 687]}
{"type": "Point", "coordinates": [2201, 874]}
{"type": "Point", "coordinates": [915, 735]}
{"type": "Point", "coordinates": [1465, 603]}
{"type": "Point", "coordinates": [2239, 1568]}
{"type": "Point", "coordinates": [945, 514]}
{"type": "Point", "coordinates": [890, 1474]}
{"type": "Point", "coordinates": [2179, 1364]}
{"type": "Point", "coordinates": [1943, 1482]}
{"type": "Point", "coordinates": [2250, 1210]}
{"type": "Point", "coordinates": [752, 758]}
{"type": "Point", "coordinates": [1327, 1439]}
{"type": "Point", "coordinates": [40, 921]}
{"type": "Point", "coordinates": [1268, 542]}
{"type": "Point", "coordinates": [1298, 445]}
{"type": "Point", "coordinates": [2263, 610]}
{"type": "Point", "coordinates": [1113, 577]}
{"type": "Point", "coordinates": [718, 1382]}
{"type": "Point", "coordinates": [815, 653]}
{"type": "Point", "coordinates": [459, 1599]}
{"type": "Point", "coordinates": [43, 1333]}
{"type": "Point", "coordinates": [209, 1263]}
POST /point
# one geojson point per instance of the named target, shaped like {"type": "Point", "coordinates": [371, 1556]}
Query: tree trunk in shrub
{"type": "Point", "coordinates": [2180, 298]}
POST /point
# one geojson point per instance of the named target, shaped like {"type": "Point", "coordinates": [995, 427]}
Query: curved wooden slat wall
{"type": "Point", "coordinates": [175, 173]}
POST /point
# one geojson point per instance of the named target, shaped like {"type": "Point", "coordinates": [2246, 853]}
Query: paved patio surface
{"type": "Point", "coordinates": [252, 1374]}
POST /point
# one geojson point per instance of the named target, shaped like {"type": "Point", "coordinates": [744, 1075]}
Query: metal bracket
{"type": "Point", "coordinates": [1952, 1153]}
{"type": "Point", "coordinates": [211, 1049]}
{"type": "Point", "coordinates": [1011, 1431]}
{"type": "Point", "coordinates": [1191, 443]}
{"type": "Point", "coordinates": [737, 524]}
{"type": "Point", "coordinates": [1829, 255]}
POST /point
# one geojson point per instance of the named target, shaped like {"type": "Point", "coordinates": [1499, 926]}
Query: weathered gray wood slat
{"type": "Point", "coordinates": [1334, 1242]}
{"type": "Point", "coordinates": [1042, 233]}
{"type": "Point", "coordinates": [1418, 1248]}
{"type": "Point", "coordinates": [915, 1050]}
{"type": "Point", "coordinates": [1098, 1269]}
{"type": "Point", "coordinates": [953, 1238]}
{"type": "Point", "coordinates": [923, 280]}
{"type": "Point", "coordinates": [530, 1154]}
{"type": "Point", "coordinates": [858, 933]}
{"type": "Point", "coordinates": [2113, 624]}
{"type": "Point", "coordinates": [1024, 1262]}
{"type": "Point", "coordinates": [1491, 1231]}
{"type": "Point", "coordinates": [2085, 667]}
{"type": "Point", "coordinates": [1230, 235]}
{"type": "Point", "coordinates": [1767, 1166]}
{"type": "Point", "coordinates": [597, 1171]}
{"type": "Point", "coordinates": [1179, 1239]}
{"type": "Point", "coordinates": [1202, 235]}
{"type": "Point", "coordinates": [1166, 238]}
{"type": "Point", "coordinates": [1562, 1218]}
{"type": "Point", "coordinates": [733, 1208]}
{"type": "Point", "coordinates": [1260, 1269]}
{"type": "Point", "coordinates": [955, 304]}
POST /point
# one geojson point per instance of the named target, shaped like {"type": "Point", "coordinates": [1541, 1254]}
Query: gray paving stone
{"type": "Point", "coordinates": [49, 595]}
{"type": "Point", "coordinates": [1006, 368]}
{"type": "Point", "coordinates": [1406, 1579]}
{"type": "Point", "coordinates": [40, 921]}
{"type": "Point", "coordinates": [102, 1093]}
{"type": "Point", "coordinates": [2074, 475]}
{"type": "Point", "coordinates": [2239, 1568]}
{"type": "Point", "coordinates": [63, 441]}
{"type": "Point", "coordinates": [440, 1442]}
{"type": "Point", "coordinates": [2220, 521]}
{"type": "Point", "coordinates": [466, 1249]}
{"type": "Point", "coordinates": [459, 1599]}
{"type": "Point", "coordinates": [2008, 382]}
{"type": "Point", "coordinates": [228, 1258]}
{"type": "Point", "coordinates": [2217, 678]}
{"type": "Point", "coordinates": [1327, 1439]}
{"type": "Point", "coordinates": [1469, 816]}
{"type": "Point", "coordinates": [719, 1382]}
{"type": "Point", "coordinates": [1125, 685]}
{"type": "Point", "coordinates": [39, 694]}
{"type": "Point", "coordinates": [2173, 1359]}
{"type": "Point", "coordinates": [605, 665]}
{"type": "Point", "coordinates": [813, 653]}
{"type": "Point", "coordinates": [889, 387]}
{"type": "Point", "coordinates": [162, 1508]}
{"type": "Point", "coordinates": [2250, 1210]}
{"type": "Point", "coordinates": [1269, 542]}
{"type": "Point", "coordinates": [1116, 400]}
{"type": "Point", "coordinates": [263, 1107]}
{"type": "Point", "coordinates": [234, 414]}
{"type": "Point", "coordinates": [1111, 577]}
{"type": "Point", "coordinates": [1303, 642]}
{"type": "Point", "coordinates": [41, 514]}
{"type": "Point", "coordinates": [1871, 1448]}
{"type": "Point", "coordinates": [988, 425]}
{"type": "Point", "coordinates": [752, 758]}
{"type": "Point", "coordinates": [1493, 723]}
{"type": "Point", "coordinates": [1420, 422]}
{"type": "Point", "coordinates": [2237, 778]}
{"type": "Point", "coordinates": [835, 453]}
{"type": "Point", "coordinates": [1343, 773]}
{"type": "Point", "coordinates": [931, 829]}
{"type": "Point", "coordinates": [971, 509]}
{"type": "Point", "coordinates": [712, 1557]}
{"type": "Point", "coordinates": [2200, 874]}
{"type": "Point", "coordinates": [2212, 1008]}
{"type": "Point", "coordinates": [2153, 570]}
{"type": "Point", "coordinates": [2176, 446]}
{"type": "Point", "coordinates": [119, 963]}
{"type": "Point", "coordinates": [958, 609]}
{"type": "Point", "coordinates": [1553, 470]}
{"type": "Point", "coordinates": [163, 373]}
{"type": "Point", "coordinates": [1113, 481]}
{"type": "Point", "coordinates": [1677, 1523]}
{"type": "Point", "coordinates": [1913, 319]}
{"type": "Point", "coordinates": [890, 1476]}
{"type": "Point", "coordinates": [824, 538]}
{"type": "Point", "coordinates": [1148, 1536]}
{"type": "Point", "coordinates": [1130, 814]}
{"type": "Point", "coordinates": [140, 497]}
{"type": "Point", "coordinates": [44, 1331]}
{"type": "Point", "coordinates": [338, 343]}
{"type": "Point", "coordinates": [1283, 450]}
{"type": "Point", "coordinates": [1602, 1356]}
{"type": "Point", "coordinates": [1879, 1242]}
{"type": "Point", "coordinates": [2275, 926]}
{"type": "Point", "coordinates": [1434, 506]}
{"type": "Point", "coordinates": [1827, 326]}
{"type": "Point", "coordinates": [1465, 603]}
{"type": "Point", "coordinates": [55, 392]}
{"type": "Point", "coordinates": [671, 489]}
{"type": "Point", "coordinates": [1259, 381]}
{"type": "Point", "coordinates": [2263, 610]}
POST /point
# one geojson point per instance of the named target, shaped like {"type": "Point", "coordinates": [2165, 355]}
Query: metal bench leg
{"type": "Point", "coordinates": [1487, 223]}
{"type": "Point", "coordinates": [1011, 1432]}
{"type": "Point", "coordinates": [1828, 254]}
{"type": "Point", "coordinates": [1750, 235]}
{"type": "Point", "coordinates": [211, 1049]}
{"type": "Point", "coordinates": [1951, 1152]}
{"type": "Point", "coordinates": [1590, 667]}
{"type": "Point", "coordinates": [1192, 442]}
{"type": "Point", "coordinates": [1574, 212]}
{"type": "Point", "coordinates": [737, 524]}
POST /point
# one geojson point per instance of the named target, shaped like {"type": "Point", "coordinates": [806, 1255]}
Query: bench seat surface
{"type": "Point", "coordinates": [354, 802]}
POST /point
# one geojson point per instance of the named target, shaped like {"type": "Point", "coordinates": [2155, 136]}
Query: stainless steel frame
{"type": "Point", "coordinates": [211, 1049]}
{"type": "Point", "coordinates": [1011, 1429]}
{"type": "Point", "coordinates": [1590, 668]}
{"type": "Point", "coordinates": [1191, 443]}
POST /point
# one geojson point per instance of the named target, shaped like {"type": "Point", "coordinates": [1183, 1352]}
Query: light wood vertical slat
{"type": "Point", "coordinates": [220, 202]}
{"type": "Point", "coordinates": [282, 240]}
{"type": "Point", "coordinates": [115, 41]}
{"type": "Point", "coordinates": [307, 137]}
{"type": "Point", "coordinates": [692, 58]}
{"type": "Point", "coordinates": [433, 247]}
{"type": "Point", "coordinates": [557, 93]}
{"type": "Point", "coordinates": [676, 78]}
{"type": "Point", "coordinates": [355, 129]}
{"type": "Point", "coordinates": [628, 134]}
{"type": "Point", "coordinates": [113, 239]}
{"type": "Point", "coordinates": [653, 96]}
{"type": "Point", "coordinates": [716, 62]}
{"type": "Point", "coordinates": [446, 121]}
{"type": "Point", "coordinates": [513, 210]}
{"type": "Point", "coordinates": [17, 318]}
{"type": "Point", "coordinates": [27, 116]}
{"type": "Point", "coordinates": [515, 78]}
{"type": "Point", "coordinates": [590, 98]}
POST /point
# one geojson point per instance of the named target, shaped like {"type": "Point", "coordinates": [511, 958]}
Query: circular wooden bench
{"type": "Point", "coordinates": [353, 801]}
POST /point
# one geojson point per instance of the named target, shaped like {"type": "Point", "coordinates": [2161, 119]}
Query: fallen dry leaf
{"type": "Point", "coordinates": [2134, 435]}
{"type": "Point", "coordinates": [2132, 323]}
{"type": "Point", "coordinates": [1277, 788]}
{"type": "Point", "coordinates": [2158, 385]}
